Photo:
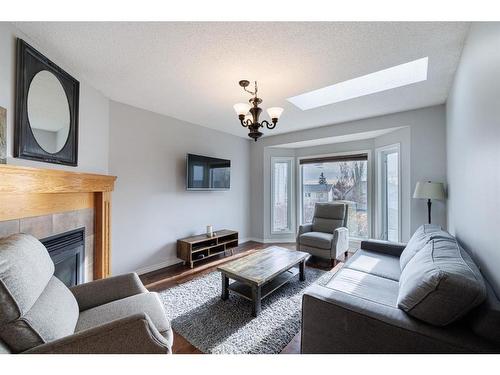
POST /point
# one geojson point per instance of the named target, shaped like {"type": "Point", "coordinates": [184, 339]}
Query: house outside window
{"type": "Point", "coordinates": [337, 178]}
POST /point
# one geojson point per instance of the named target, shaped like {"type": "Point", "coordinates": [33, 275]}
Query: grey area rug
{"type": "Point", "coordinates": [215, 326]}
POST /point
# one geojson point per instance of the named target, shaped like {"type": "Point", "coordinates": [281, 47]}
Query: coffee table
{"type": "Point", "coordinates": [259, 274]}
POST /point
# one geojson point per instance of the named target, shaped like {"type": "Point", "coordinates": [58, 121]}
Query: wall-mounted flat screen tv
{"type": "Point", "coordinates": [206, 173]}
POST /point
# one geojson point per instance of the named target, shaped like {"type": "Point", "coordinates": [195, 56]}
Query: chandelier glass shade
{"type": "Point", "coordinates": [249, 114]}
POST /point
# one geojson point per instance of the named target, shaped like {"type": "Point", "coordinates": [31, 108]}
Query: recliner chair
{"type": "Point", "coordinates": [327, 236]}
{"type": "Point", "coordinates": [39, 314]}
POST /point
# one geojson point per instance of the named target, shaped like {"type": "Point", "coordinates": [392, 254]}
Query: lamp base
{"type": "Point", "coordinates": [429, 209]}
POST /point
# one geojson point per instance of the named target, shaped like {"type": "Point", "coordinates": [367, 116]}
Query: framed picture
{"type": "Point", "coordinates": [47, 100]}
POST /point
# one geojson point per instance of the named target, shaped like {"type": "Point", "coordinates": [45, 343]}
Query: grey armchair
{"type": "Point", "coordinates": [39, 314]}
{"type": "Point", "coordinates": [327, 236]}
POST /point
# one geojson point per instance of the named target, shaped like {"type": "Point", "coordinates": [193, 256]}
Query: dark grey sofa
{"type": "Point", "coordinates": [357, 311]}
{"type": "Point", "coordinates": [39, 314]}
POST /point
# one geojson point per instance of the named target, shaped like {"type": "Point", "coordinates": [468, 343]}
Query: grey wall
{"type": "Point", "coordinates": [426, 147]}
{"type": "Point", "coordinates": [473, 136]}
{"type": "Point", "coordinates": [94, 109]}
{"type": "Point", "coordinates": [151, 207]}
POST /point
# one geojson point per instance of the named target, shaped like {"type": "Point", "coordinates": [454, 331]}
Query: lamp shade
{"type": "Point", "coordinates": [275, 112]}
{"type": "Point", "coordinates": [429, 190]}
{"type": "Point", "coordinates": [241, 108]}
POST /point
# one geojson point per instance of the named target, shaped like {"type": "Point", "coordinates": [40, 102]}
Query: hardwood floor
{"type": "Point", "coordinates": [177, 274]}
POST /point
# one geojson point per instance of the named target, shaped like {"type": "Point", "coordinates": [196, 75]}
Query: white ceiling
{"type": "Point", "coordinates": [339, 138]}
{"type": "Point", "coordinates": [191, 70]}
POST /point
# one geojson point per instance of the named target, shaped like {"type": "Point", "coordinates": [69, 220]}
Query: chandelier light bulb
{"type": "Point", "coordinates": [275, 112]}
{"type": "Point", "coordinates": [241, 109]}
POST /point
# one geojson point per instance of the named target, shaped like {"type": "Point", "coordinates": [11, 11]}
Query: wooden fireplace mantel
{"type": "Point", "coordinates": [28, 192]}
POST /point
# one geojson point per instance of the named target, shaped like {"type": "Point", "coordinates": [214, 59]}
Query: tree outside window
{"type": "Point", "coordinates": [344, 181]}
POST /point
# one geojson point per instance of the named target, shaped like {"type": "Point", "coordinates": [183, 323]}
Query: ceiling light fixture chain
{"type": "Point", "coordinates": [249, 114]}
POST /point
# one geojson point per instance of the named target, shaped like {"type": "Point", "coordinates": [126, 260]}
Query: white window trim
{"type": "Point", "coordinates": [369, 175]}
{"type": "Point", "coordinates": [291, 192]}
{"type": "Point", "coordinates": [378, 188]}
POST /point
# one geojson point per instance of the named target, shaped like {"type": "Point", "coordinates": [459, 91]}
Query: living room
{"type": "Point", "coordinates": [301, 187]}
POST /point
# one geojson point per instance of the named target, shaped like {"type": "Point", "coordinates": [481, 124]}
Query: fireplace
{"type": "Point", "coordinates": [67, 252]}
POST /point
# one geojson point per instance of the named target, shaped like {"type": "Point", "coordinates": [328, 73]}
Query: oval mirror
{"type": "Point", "coordinates": [48, 112]}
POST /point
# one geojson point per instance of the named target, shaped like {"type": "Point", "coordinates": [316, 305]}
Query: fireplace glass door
{"type": "Point", "coordinates": [67, 252]}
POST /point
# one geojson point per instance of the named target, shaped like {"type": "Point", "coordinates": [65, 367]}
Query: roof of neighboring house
{"type": "Point", "coordinates": [316, 188]}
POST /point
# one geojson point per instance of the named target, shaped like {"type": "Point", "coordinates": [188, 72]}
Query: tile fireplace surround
{"type": "Point", "coordinates": [49, 225]}
{"type": "Point", "coordinates": [46, 202]}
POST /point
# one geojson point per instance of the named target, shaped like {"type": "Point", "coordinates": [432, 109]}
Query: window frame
{"type": "Point", "coordinates": [379, 190]}
{"type": "Point", "coordinates": [369, 176]}
{"type": "Point", "coordinates": [290, 194]}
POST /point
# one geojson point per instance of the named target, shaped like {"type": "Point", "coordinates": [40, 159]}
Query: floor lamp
{"type": "Point", "coordinates": [429, 190]}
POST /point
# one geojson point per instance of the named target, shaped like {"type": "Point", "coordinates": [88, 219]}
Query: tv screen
{"type": "Point", "coordinates": [206, 173]}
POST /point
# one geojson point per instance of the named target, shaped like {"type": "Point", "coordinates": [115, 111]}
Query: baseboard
{"type": "Point", "coordinates": [267, 240]}
{"type": "Point", "coordinates": [157, 266]}
{"type": "Point", "coordinates": [247, 239]}
{"type": "Point", "coordinates": [278, 240]}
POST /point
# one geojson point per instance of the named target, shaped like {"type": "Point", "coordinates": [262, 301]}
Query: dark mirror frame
{"type": "Point", "coordinates": [29, 63]}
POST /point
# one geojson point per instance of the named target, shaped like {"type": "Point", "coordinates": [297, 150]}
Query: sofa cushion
{"type": "Point", "coordinates": [364, 285]}
{"type": "Point", "coordinates": [328, 216]}
{"type": "Point", "coordinates": [376, 263]}
{"type": "Point", "coordinates": [420, 238]}
{"type": "Point", "coordinates": [53, 315]}
{"type": "Point", "coordinates": [148, 303]}
{"type": "Point", "coordinates": [317, 239]}
{"type": "Point", "coordinates": [441, 283]}
{"type": "Point", "coordinates": [25, 270]}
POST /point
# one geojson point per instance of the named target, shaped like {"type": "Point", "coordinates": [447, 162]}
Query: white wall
{"type": "Point", "coordinates": [151, 207]}
{"type": "Point", "coordinates": [266, 198]}
{"type": "Point", "coordinates": [94, 109]}
{"type": "Point", "coordinates": [408, 181]}
{"type": "Point", "coordinates": [473, 136]}
{"type": "Point", "coordinates": [424, 146]}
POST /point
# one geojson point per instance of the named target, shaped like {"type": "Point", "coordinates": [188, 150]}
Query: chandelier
{"type": "Point", "coordinates": [249, 113]}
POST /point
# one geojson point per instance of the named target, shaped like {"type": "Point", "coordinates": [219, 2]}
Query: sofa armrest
{"type": "Point", "coordinates": [339, 322]}
{"type": "Point", "coordinates": [135, 334]}
{"type": "Point", "coordinates": [386, 247]}
{"type": "Point", "coordinates": [340, 242]}
{"type": "Point", "coordinates": [99, 292]}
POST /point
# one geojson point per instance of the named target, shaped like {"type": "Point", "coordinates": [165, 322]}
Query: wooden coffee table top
{"type": "Point", "coordinates": [262, 266]}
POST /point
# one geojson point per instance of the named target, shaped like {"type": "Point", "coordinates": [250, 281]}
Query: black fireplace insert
{"type": "Point", "coordinates": [67, 251]}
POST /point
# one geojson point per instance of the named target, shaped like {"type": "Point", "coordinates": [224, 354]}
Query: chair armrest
{"type": "Point", "coordinates": [135, 334]}
{"type": "Point", "coordinates": [304, 228]}
{"type": "Point", "coordinates": [386, 247]}
{"type": "Point", "coordinates": [340, 242]}
{"type": "Point", "coordinates": [99, 292]}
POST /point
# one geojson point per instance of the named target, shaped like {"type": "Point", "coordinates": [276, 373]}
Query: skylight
{"type": "Point", "coordinates": [390, 78]}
